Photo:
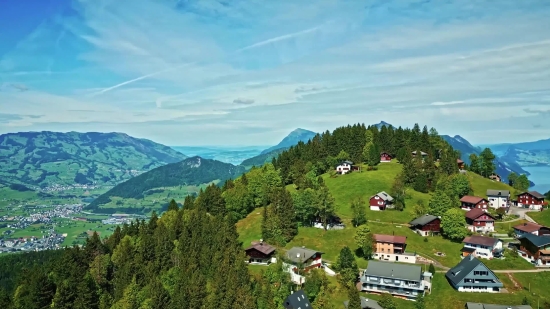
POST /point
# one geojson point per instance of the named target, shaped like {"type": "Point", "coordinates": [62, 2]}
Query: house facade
{"type": "Point", "coordinates": [468, 202]}
{"type": "Point", "coordinates": [404, 281]}
{"type": "Point", "coordinates": [531, 228]}
{"type": "Point", "coordinates": [260, 253]}
{"type": "Point", "coordinates": [392, 248]}
{"type": "Point", "coordinates": [471, 275]}
{"type": "Point", "coordinates": [299, 260]}
{"type": "Point", "coordinates": [426, 225]}
{"type": "Point", "coordinates": [345, 167]}
{"type": "Point", "coordinates": [380, 201]}
{"type": "Point", "coordinates": [495, 177]}
{"type": "Point", "coordinates": [531, 199]}
{"type": "Point", "coordinates": [535, 249]}
{"type": "Point", "coordinates": [498, 198]}
{"type": "Point", "coordinates": [482, 247]}
{"type": "Point", "coordinates": [480, 221]}
{"type": "Point", "coordinates": [460, 164]}
{"type": "Point", "coordinates": [385, 157]}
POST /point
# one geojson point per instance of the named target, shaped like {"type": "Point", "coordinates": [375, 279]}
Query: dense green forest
{"type": "Point", "coordinates": [191, 258]}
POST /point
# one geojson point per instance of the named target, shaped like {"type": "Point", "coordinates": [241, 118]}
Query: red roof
{"type": "Point", "coordinates": [392, 239]}
{"type": "Point", "coordinates": [471, 199]}
{"type": "Point", "coordinates": [534, 194]}
{"type": "Point", "coordinates": [476, 213]}
{"type": "Point", "coordinates": [528, 227]}
{"type": "Point", "coordinates": [459, 161]}
{"type": "Point", "coordinates": [480, 240]}
{"type": "Point", "coordinates": [262, 247]}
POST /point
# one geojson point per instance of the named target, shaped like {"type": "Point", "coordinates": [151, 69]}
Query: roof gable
{"type": "Point", "coordinates": [261, 247]}
{"type": "Point", "coordinates": [470, 263]}
{"type": "Point", "coordinates": [504, 193]}
{"type": "Point", "coordinates": [476, 213]}
{"type": "Point", "coordinates": [393, 239]}
{"type": "Point", "coordinates": [300, 255]}
{"type": "Point", "coordinates": [384, 196]}
{"type": "Point", "coordinates": [534, 194]}
{"type": "Point", "coordinates": [471, 199]}
{"type": "Point", "coordinates": [423, 220]}
{"type": "Point", "coordinates": [481, 240]}
{"type": "Point", "coordinates": [528, 227]}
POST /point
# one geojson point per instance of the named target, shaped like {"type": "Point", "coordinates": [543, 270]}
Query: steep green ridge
{"type": "Point", "coordinates": [194, 171]}
{"type": "Point", "coordinates": [262, 159]}
{"type": "Point", "coordinates": [42, 159]}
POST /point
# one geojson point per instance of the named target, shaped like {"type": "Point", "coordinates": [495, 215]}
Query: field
{"type": "Point", "coordinates": [346, 188]}
{"type": "Point", "coordinates": [542, 217]}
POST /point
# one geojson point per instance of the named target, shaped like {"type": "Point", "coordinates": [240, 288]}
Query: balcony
{"type": "Point", "coordinates": [410, 293]}
{"type": "Point", "coordinates": [392, 283]}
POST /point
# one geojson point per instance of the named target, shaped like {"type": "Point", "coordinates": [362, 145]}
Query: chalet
{"type": "Point", "coordinates": [380, 201]}
{"type": "Point", "coordinates": [299, 260]}
{"type": "Point", "coordinates": [471, 275]}
{"type": "Point", "coordinates": [495, 177]}
{"type": "Point", "coordinates": [345, 167]}
{"type": "Point", "coordinates": [531, 228]}
{"type": "Point", "coordinates": [470, 305]}
{"type": "Point", "coordinates": [260, 253]}
{"type": "Point", "coordinates": [480, 221]}
{"type": "Point", "coordinates": [535, 249]}
{"type": "Point", "coordinates": [482, 246]}
{"type": "Point", "coordinates": [460, 164]}
{"type": "Point", "coordinates": [392, 248]}
{"type": "Point", "coordinates": [426, 225]}
{"type": "Point", "coordinates": [498, 198]}
{"type": "Point", "coordinates": [297, 300]}
{"type": "Point", "coordinates": [531, 199]}
{"type": "Point", "coordinates": [469, 202]}
{"type": "Point", "coordinates": [385, 157]}
{"type": "Point", "coordinates": [404, 281]}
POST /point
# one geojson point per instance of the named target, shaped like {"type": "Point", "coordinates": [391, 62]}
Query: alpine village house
{"type": "Point", "coordinates": [468, 202]}
{"type": "Point", "coordinates": [426, 225]}
{"type": "Point", "coordinates": [535, 249]}
{"type": "Point", "coordinates": [531, 228]}
{"type": "Point", "coordinates": [498, 198]}
{"type": "Point", "coordinates": [260, 253]}
{"type": "Point", "coordinates": [480, 221]}
{"type": "Point", "coordinates": [482, 246]}
{"type": "Point", "coordinates": [299, 260]}
{"type": "Point", "coordinates": [471, 275]}
{"type": "Point", "coordinates": [385, 157]}
{"type": "Point", "coordinates": [380, 201]}
{"type": "Point", "coordinates": [532, 200]}
{"type": "Point", "coordinates": [392, 248]}
{"type": "Point", "coordinates": [346, 167]}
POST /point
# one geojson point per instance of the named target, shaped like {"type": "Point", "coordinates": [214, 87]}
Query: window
{"type": "Point", "coordinates": [481, 273]}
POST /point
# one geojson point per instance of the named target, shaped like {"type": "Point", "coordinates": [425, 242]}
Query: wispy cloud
{"type": "Point", "coordinates": [187, 67]}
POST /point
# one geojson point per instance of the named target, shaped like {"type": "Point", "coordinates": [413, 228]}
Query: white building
{"type": "Point", "coordinates": [299, 261]}
{"type": "Point", "coordinates": [345, 167]}
{"type": "Point", "coordinates": [498, 198]}
{"type": "Point", "coordinates": [482, 247]}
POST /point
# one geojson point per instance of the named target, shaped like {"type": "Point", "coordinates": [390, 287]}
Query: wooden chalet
{"type": "Point", "coordinates": [469, 202]}
{"type": "Point", "coordinates": [385, 157]}
{"type": "Point", "coordinates": [460, 164]}
{"type": "Point", "coordinates": [260, 253]}
{"type": "Point", "coordinates": [426, 225]}
{"type": "Point", "coordinates": [480, 221]}
{"type": "Point", "coordinates": [495, 177]}
{"type": "Point", "coordinates": [531, 199]}
{"type": "Point", "coordinates": [531, 228]}
{"type": "Point", "coordinates": [380, 201]}
{"type": "Point", "coordinates": [535, 249]}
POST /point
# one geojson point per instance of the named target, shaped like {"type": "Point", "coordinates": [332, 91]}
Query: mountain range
{"type": "Point", "coordinates": [526, 154]}
{"type": "Point", "coordinates": [42, 159]}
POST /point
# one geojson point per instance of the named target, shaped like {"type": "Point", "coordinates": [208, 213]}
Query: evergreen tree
{"type": "Point", "coordinates": [347, 267]}
{"type": "Point", "coordinates": [173, 206]}
{"type": "Point", "coordinates": [189, 202]}
{"type": "Point", "coordinates": [475, 166]}
{"type": "Point", "coordinates": [325, 205]}
{"type": "Point", "coordinates": [364, 241]}
{"type": "Point", "coordinates": [354, 298]}
{"type": "Point", "coordinates": [487, 164]}
{"type": "Point", "coordinates": [387, 302]}
{"type": "Point", "coordinates": [373, 155]}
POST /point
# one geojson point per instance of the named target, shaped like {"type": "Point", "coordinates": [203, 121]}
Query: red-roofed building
{"type": "Point", "coordinates": [531, 228]}
{"type": "Point", "coordinates": [260, 253]}
{"type": "Point", "coordinates": [385, 157]}
{"type": "Point", "coordinates": [480, 221]}
{"type": "Point", "coordinates": [469, 202]}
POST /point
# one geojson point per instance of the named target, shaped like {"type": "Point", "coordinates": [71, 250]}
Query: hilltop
{"type": "Point", "coordinates": [298, 135]}
{"type": "Point", "coordinates": [43, 159]}
{"type": "Point", "coordinates": [145, 192]}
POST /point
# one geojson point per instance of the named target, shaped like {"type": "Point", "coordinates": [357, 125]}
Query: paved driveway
{"type": "Point", "coordinates": [521, 212]}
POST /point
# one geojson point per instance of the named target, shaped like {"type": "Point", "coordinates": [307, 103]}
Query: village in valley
{"type": "Point", "coordinates": [394, 268]}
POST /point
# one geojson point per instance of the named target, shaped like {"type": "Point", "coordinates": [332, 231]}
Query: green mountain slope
{"type": "Point", "coordinates": [44, 159]}
{"type": "Point", "coordinates": [261, 159]}
{"type": "Point", "coordinates": [298, 135]}
{"type": "Point", "coordinates": [165, 181]}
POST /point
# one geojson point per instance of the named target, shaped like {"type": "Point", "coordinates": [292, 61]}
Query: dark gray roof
{"type": "Point", "coordinates": [533, 193]}
{"type": "Point", "coordinates": [366, 304]}
{"type": "Point", "coordinates": [425, 219]}
{"type": "Point", "coordinates": [504, 193]}
{"type": "Point", "coordinates": [300, 255]}
{"type": "Point", "coordinates": [384, 196]}
{"type": "Point", "coordinates": [393, 270]}
{"type": "Point", "coordinates": [462, 269]}
{"type": "Point", "coordinates": [348, 162]}
{"type": "Point", "coordinates": [493, 306]}
{"type": "Point", "coordinates": [538, 241]}
{"type": "Point", "coordinates": [297, 300]}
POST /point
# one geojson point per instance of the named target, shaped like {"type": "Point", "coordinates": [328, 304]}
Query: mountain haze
{"type": "Point", "coordinates": [298, 135]}
{"type": "Point", "coordinates": [41, 159]}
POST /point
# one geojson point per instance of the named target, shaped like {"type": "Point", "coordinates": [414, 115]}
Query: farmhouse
{"type": "Point", "coordinates": [480, 221]}
{"type": "Point", "coordinates": [385, 157]}
{"type": "Point", "coordinates": [495, 177]}
{"type": "Point", "coordinates": [404, 281]}
{"type": "Point", "coordinates": [531, 228]}
{"type": "Point", "coordinates": [471, 275]}
{"type": "Point", "coordinates": [426, 225]}
{"type": "Point", "coordinates": [345, 167]}
{"type": "Point", "coordinates": [498, 198]}
{"type": "Point", "coordinates": [260, 253]}
{"type": "Point", "coordinates": [460, 164]}
{"type": "Point", "coordinates": [535, 249]}
{"type": "Point", "coordinates": [468, 202]}
{"type": "Point", "coordinates": [380, 201]}
{"type": "Point", "coordinates": [299, 260]}
{"type": "Point", "coordinates": [482, 246]}
{"type": "Point", "coordinates": [392, 248]}
{"type": "Point", "coordinates": [531, 199]}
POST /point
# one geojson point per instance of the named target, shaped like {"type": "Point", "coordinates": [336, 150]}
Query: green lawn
{"type": "Point", "coordinates": [250, 228]}
{"type": "Point", "coordinates": [74, 228]}
{"type": "Point", "coordinates": [481, 185]}
{"type": "Point", "coordinates": [542, 217]}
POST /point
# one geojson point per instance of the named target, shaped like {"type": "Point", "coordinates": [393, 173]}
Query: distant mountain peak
{"type": "Point", "coordinates": [296, 136]}
{"type": "Point", "coordinates": [382, 124]}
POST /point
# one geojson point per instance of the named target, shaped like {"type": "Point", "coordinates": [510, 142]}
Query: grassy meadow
{"type": "Point", "coordinates": [542, 217]}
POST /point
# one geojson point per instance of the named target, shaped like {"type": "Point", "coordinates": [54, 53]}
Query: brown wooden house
{"type": "Point", "coordinates": [469, 202]}
{"type": "Point", "coordinates": [480, 221]}
{"type": "Point", "coordinates": [426, 225]}
{"type": "Point", "coordinates": [535, 249]}
{"type": "Point", "coordinates": [460, 164]}
{"type": "Point", "coordinates": [260, 253]}
{"type": "Point", "coordinates": [531, 199]}
{"type": "Point", "coordinates": [531, 228]}
{"type": "Point", "coordinates": [385, 157]}
{"type": "Point", "coordinates": [495, 177]}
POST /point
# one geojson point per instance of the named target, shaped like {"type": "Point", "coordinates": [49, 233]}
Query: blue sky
{"type": "Point", "coordinates": [248, 72]}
